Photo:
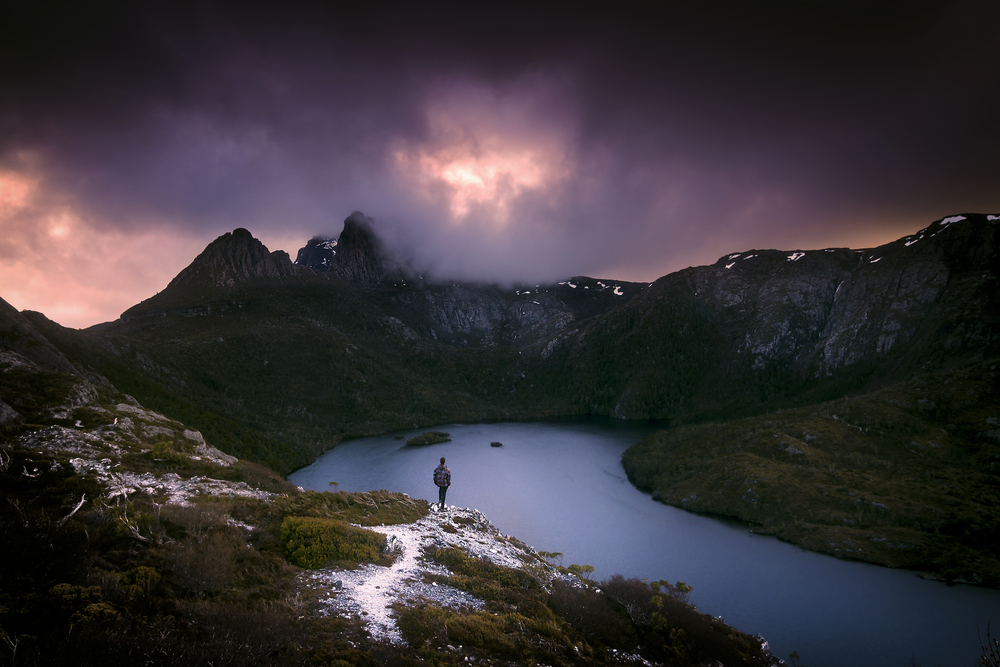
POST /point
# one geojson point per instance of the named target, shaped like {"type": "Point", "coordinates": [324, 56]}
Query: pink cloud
{"type": "Point", "coordinates": [53, 261]}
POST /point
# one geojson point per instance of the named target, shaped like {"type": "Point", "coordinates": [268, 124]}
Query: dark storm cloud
{"type": "Point", "coordinates": [525, 144]}
{"type": "Point", "coordinates": [202, 118]}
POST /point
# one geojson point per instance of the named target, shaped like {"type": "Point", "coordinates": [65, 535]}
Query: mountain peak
{"type": "Point", "coordinates": [361, 255]}
{"type": "Point", "coordinates": [358, 255]}
{"type": "Point", "coordinates": [234, 258]}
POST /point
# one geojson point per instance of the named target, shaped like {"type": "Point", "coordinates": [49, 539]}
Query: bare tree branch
{"type": "Point", "coordinates": [75, 509]}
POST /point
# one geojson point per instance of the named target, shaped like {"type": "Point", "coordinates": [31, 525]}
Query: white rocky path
{"type": "Point", "coordinates": [371, 590]}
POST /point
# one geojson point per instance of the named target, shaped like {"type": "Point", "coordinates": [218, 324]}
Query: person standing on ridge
{"type": "Point", "coordinates": [442, 477]}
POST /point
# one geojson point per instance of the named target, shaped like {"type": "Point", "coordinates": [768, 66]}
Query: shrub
{"type": "Point", "coordinates": [633, 595]}
{"type": "Point", "coordinates": [594, 614]}
{"type": "Point", "coordinates": [164, 452]}
{"type": "Point", "coordinates": [139, 581]}
{"type": "Point", "coordinates": [371, 508]}
{"type": "Point", "coordinates": [313, 543]}
{"type": "Point", "coordinates": [263, 478]}
{"type": "Point", "coordinates": [424, 625]}
{"type": "Point", "coordinates": [196, 519]}
{"type": "Point", "coordinates": [205, 564]}
{"type": "Point", "coordinates": [990, 648]}
{"type": "Point", "coordinates": [581, 571]}
{"type": "Point", "coordinates": [39, 551]}
{"type": "Point", "coordinates": [673, 631]}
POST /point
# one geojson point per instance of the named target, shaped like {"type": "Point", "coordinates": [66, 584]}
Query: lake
{"type": "Point", "coordinates": [559, 485]}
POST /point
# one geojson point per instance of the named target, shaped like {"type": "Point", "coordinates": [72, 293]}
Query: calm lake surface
{"type": "Point", "coordinates": [559, 485]}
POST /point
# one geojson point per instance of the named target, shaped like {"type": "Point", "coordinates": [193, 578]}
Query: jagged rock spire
{"type": "Point", "coordinates": [360, 257]}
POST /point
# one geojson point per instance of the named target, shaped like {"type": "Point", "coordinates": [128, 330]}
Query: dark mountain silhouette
{"type": "Point", "coordinates": [361, 256]}
{"type": "Point", "coordinates": [763, 325]}
{"type": "Point", "coordinates": [19, 335]}
{"type": "Point", "coordinates": [233, 259]}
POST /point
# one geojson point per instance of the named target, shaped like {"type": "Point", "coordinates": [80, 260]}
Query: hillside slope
{"type": "Point", "coordinates": [905, 476]}
{"type": "Point", "coordinates": [130, 540]}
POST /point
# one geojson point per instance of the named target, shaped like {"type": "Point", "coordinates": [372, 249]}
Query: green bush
{"type": "Point", "coordinates": [594, 614]}
{"type": "Point", "coordinates": [498, 635]}
{"type": "Point", "coordinates": [263, 478]}
{"type": "Point", "coordinates": [165, 452]}
{"type": "Point", "coordinates": [313, 543]}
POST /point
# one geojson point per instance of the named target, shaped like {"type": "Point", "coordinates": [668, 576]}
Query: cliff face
{"type": "Point", "coordinates": [783, 322]}
{"type": "Point", "coordinates": [826, 310]}
{"type": "Point", "coordinates": [812, 312]}
{"type": "Point", "coordinates": [471, 314]}
{"type": "Point", "coordinates": [932, 290]}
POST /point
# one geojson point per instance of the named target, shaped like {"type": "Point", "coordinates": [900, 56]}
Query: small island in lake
{"type": "Point", "coordinates": [429, 438]}
{"type": "Point", "coordinates": [496, 444]}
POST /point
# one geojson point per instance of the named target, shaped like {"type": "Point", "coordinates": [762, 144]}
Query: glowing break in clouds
{"type": "Point", "coordinates": [485, 150]}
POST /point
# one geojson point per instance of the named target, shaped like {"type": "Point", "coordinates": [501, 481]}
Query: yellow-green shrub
{"type": "Point", "coordinates": [367, 509]}
{"type": "Point", "coordinates": [312, 543]}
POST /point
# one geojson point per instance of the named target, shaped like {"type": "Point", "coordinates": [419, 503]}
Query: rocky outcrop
{"type": "Point", "coordinates": [372, 591]}
{"type": "Point", "coordinates": [7, 414]}
{"type": "Point", "coordinates": [475, 314]}
{"type": "Point", "coordinates": [234, 260]}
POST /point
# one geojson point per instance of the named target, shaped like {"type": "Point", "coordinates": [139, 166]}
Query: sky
{"type": "Point", "coordinates": [524, 145]}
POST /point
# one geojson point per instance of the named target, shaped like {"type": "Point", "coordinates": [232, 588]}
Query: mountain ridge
{"type": "Point", "coordinates": [286, 361]}
{"type": "Point", "coordinates": [757, 329]}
